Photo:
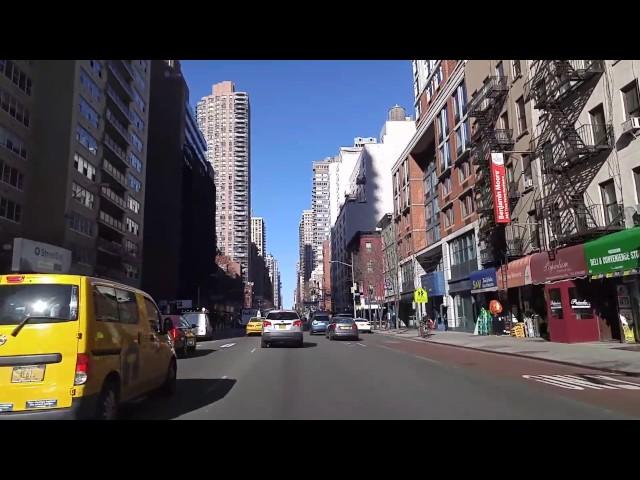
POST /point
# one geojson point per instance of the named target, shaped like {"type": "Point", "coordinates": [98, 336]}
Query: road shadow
{"type": "Point", "coordinates": [287, 345]}
{"type": "Point", "coordinates": [200, 352]}
{"type": "Point", "coordinates": [191, 394]}
{"type": "Point", "coordinates": [228, 334]}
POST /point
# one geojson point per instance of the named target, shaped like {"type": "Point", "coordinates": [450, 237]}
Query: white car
{"type": "Point", "coordinates": [364, 325]}
{"type": "Point", "coordinates": [282, 326]}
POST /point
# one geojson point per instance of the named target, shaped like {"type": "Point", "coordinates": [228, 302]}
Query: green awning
{"type": "Point", "coordinates": [614, 253]}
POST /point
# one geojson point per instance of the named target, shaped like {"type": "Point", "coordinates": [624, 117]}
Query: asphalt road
{"type": "Point", "coordinates": [381, 377]}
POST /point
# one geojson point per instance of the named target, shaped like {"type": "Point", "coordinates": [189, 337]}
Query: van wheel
{"type": "Point", "coordinates": [169, 386]}
{"type": "Point", "coordinates": [108, 401]}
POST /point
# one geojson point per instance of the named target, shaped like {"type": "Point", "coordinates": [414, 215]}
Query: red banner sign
{"type": "Point", "coordinates": [499, 189]}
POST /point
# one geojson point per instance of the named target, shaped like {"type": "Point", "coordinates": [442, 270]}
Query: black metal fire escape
{"type": "Point", "coordinates": [571, 155]}
{"type": "Point", "coordinates": [485, 107]}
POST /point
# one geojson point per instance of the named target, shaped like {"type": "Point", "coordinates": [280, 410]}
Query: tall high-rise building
{"type": "Point", "coordinates": [320, 206]}
{"type": "Point", "coordinates": [274, 276]}
{"type": "Point", "coordinates": [82, 188]}
{"type": "Point", "coordinates": [305, 232]}
{"type": "Point", "coordinates": [223, 118]}
{"type": "Point", "coordinates": [259, 234]}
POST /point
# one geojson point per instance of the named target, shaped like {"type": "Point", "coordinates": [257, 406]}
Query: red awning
{"type": "Point", "coordinates": [568, 263]}
{"type": "Point", "coordinates": [518, 273]}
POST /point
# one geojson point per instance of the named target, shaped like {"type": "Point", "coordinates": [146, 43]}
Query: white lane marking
{"type": "Point", "coordinates": [348, 343]}
{"type": "Point", "coordinates": [575, 382]}
{"type": "Point", "coordinates": [362, 344]}
{"type": "Point", "coordinates": [253, 350]}
{"type": "Point", "coordinates": [227, 345]}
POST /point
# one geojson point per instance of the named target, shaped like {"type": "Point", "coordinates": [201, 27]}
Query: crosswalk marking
{"type": "Point", "coordinates": [227, 345]}
{"type": "Point", "coordinates": [582, 382]}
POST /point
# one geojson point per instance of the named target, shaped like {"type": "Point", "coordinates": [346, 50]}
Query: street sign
{"type": "Point", "coordinates": [420, 296]}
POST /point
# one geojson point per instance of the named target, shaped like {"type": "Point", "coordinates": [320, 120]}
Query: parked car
{"type": "Point", "coordinates": [203, 324]}
{"type": "Point", "coordinates": [73, 346]}
{"type": "Point", "coordinates": [182, 334]}
{"type": "Point", "coordinates": [282, 326]}
{"type": "Point", "coordinates": [342, 327]}
{"type": "Point", "coordinates": [254, 326]}
{"type": "Point", "coordinates": [319, 323]}
{"type": "Point", "coordinates": [364, 325]}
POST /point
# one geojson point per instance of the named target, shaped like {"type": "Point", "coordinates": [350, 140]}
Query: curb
{"type": "Point", "coordinates": [520, 355]}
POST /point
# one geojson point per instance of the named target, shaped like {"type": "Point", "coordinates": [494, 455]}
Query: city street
{"type": "Point", "coordinates": [380, 377]}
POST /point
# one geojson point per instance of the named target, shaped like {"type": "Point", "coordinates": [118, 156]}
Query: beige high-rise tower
{"type": "Point", "coordinates": [223, 118]}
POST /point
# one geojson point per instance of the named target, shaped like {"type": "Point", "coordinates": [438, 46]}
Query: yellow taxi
{"type": "Point", "coordinates": [254, 326]}
{"type": "Point", "coordinates": [78, 347]}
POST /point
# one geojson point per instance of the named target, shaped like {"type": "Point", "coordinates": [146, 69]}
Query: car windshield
{"type": "Point", "coordinates": [256, 320]}
{"type": "Point", "coordinates": [182, 322]}
{"type": "Point", "coordinates": [282, 316]}
{"type": "Point", "coordinates": [45, 303]}
{"type": "Point", "coordinates": [343, 320]}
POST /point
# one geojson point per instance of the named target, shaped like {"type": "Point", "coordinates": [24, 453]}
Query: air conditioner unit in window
{"type": "Point", "coordinates": [631, 125]}
{"type": "Point", "coordinates": [528, 182]}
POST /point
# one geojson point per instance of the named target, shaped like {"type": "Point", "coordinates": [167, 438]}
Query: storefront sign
{"type": "Point", "coordinates": [568, 263]}
{"type": "Point", "coordinates": [580, 304]}
{"type": "Point", "coordinates": [518, 273]}
{"type": "Point", "coordinates": [483, 280]}
{"type": "Point", "coordinates": [617, 252]}
{"type": "Point", "coordinates": [499, 189]}
{"type": "Point", "coordinates": [39, 257]}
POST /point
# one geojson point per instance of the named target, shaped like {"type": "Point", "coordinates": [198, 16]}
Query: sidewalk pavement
{"type": "Point", "coordinates": [607, 356]}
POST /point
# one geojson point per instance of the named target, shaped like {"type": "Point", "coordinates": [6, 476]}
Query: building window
{"type": "Point", "coordinates": [131, 271]}
{"type": "Point", "coordinates": [445, 156]}
{"type": "Point", "coordinates": [136, 142]}
{"type": "Point", "coordinates": [522, 115]}
{"type": "Point", "coordinates": [16, 75]}
{"type": "Point", "coordinates": [636, 177]}
{"type": "Point", "coordinates": [10, 210]}
{"type": "Point", "coordinates": [526, 170]}
{"type": "Point", "coordinates": [137, 99]}
{"type": "Point", "coordinates": [467, 206]}
{"type": "Point", "coordinates": [463, 249]}
{"type": "Point", "coordinates": [598, 125]}
{"type": "Point", "coordinates": [133, 204]}
{"type": "Point", "coordinates": [460, 102]}
{"type": "Point", "coordinates": [132, 227]}
{"type": "Point", "coordinates": [448, 217]}
{"type": "Point", "coordinates": [609, 201]}
{"type": "Point", "coordinates": [464, 170]}
{"type": "Point", "coordinates": [88, 112]}
{"type": "Point", "coordinates": [14, 108]}
{"type": "Point", "coordinates": [12, 176]}
{"type": "Point", "coordinates": [532, 227]}
{"type": "Point", "coordinates": [516, 68]}
{"type": "Point", "coordinates": [368, 246]}
{"type": "Point", "coordinates": [89, 85]}
{"type": "Point", "coordinates": [96, 66]}
{"type": "Point", "coordinates": [500, 69]}
{"type": "Point", "coordinates": [12, 142]}
{"type": "Point", "coordinates": [370, 266]}
{"type": "Point", "coordinates": [87, 140]}
{"type": "Point", "coordinates": [84, 167]}
{"type": "Point", "coordinates": [134, 161]}
{"type": "Point", "coordinates": [81, 224]}
{"type": "Point", "coordinates": [82, 195]}
{"type": "Point", "coordinates": [462, 137]}
{"type": "Point", "coordinates": [630, 100]}
{"type": "Point", "coordinates": [504, 121]}
{"type": "Point", "coordinates": [444, 124]}
{"type": "Point", "coordinates": [133, 182]}
{"type": "Point", "coordinates": [446, 186]}
{"type": "Point", "coordinates": [131, 247]}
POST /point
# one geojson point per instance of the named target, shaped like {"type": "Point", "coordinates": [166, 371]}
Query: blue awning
{"type": "Point", "coordinates": [484, 280]}
{"type": "Point", "coordinates": [433, 283]}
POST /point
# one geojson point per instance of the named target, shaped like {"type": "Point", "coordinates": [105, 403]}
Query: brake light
{"type": "Point", "coordinates": [174, 333]}
{"type": "Point", "coordinates": [355, 326]}
{"type": "Point", "coordinates": [82, 369]}
{"type": "Point", "coordinates": [297, 323]}
{"type": "Point", "coordinates": [266, 323]}
{"type": "Point", "coordinates": [15, 278]}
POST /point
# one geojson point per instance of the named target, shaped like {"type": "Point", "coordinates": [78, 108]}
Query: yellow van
{"type": "Point", "coordinates": [78, 347]}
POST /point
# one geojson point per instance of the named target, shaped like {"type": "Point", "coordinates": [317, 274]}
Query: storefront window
{"type": "Point", "coordinates": [580, 306]}
{"type": "Point", "coordinates": [555, 302]}
{"type": "Point", "coordinates": [464, 312]}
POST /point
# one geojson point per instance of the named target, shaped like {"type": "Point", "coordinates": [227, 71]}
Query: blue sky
{"type": "Point", "coordinates": [301, 111]}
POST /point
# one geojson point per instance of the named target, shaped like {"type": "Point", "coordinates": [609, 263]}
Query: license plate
{"type": "Point", "coordinates": [282, 327]}
{"type": "Point", "coordinates": [345, 328]}
{"type": "Point", "coordinates": [190, 342]}
{"type": "Point", "coordinates": [32, 373]}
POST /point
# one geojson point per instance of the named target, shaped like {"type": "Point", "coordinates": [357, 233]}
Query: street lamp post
{"type": "Point", "coordinates": [353, 281]}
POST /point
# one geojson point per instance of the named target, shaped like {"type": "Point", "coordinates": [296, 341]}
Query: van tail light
{"type": "Point", "coordinates": [297, 323]}
{"type": "Point", "coordinates": [82, 369]}
{"type": "Point", "coordinates": [266, 323]}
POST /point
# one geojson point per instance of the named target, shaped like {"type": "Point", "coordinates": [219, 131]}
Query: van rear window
{"type": "Point", "coordinates": [44, 303]}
